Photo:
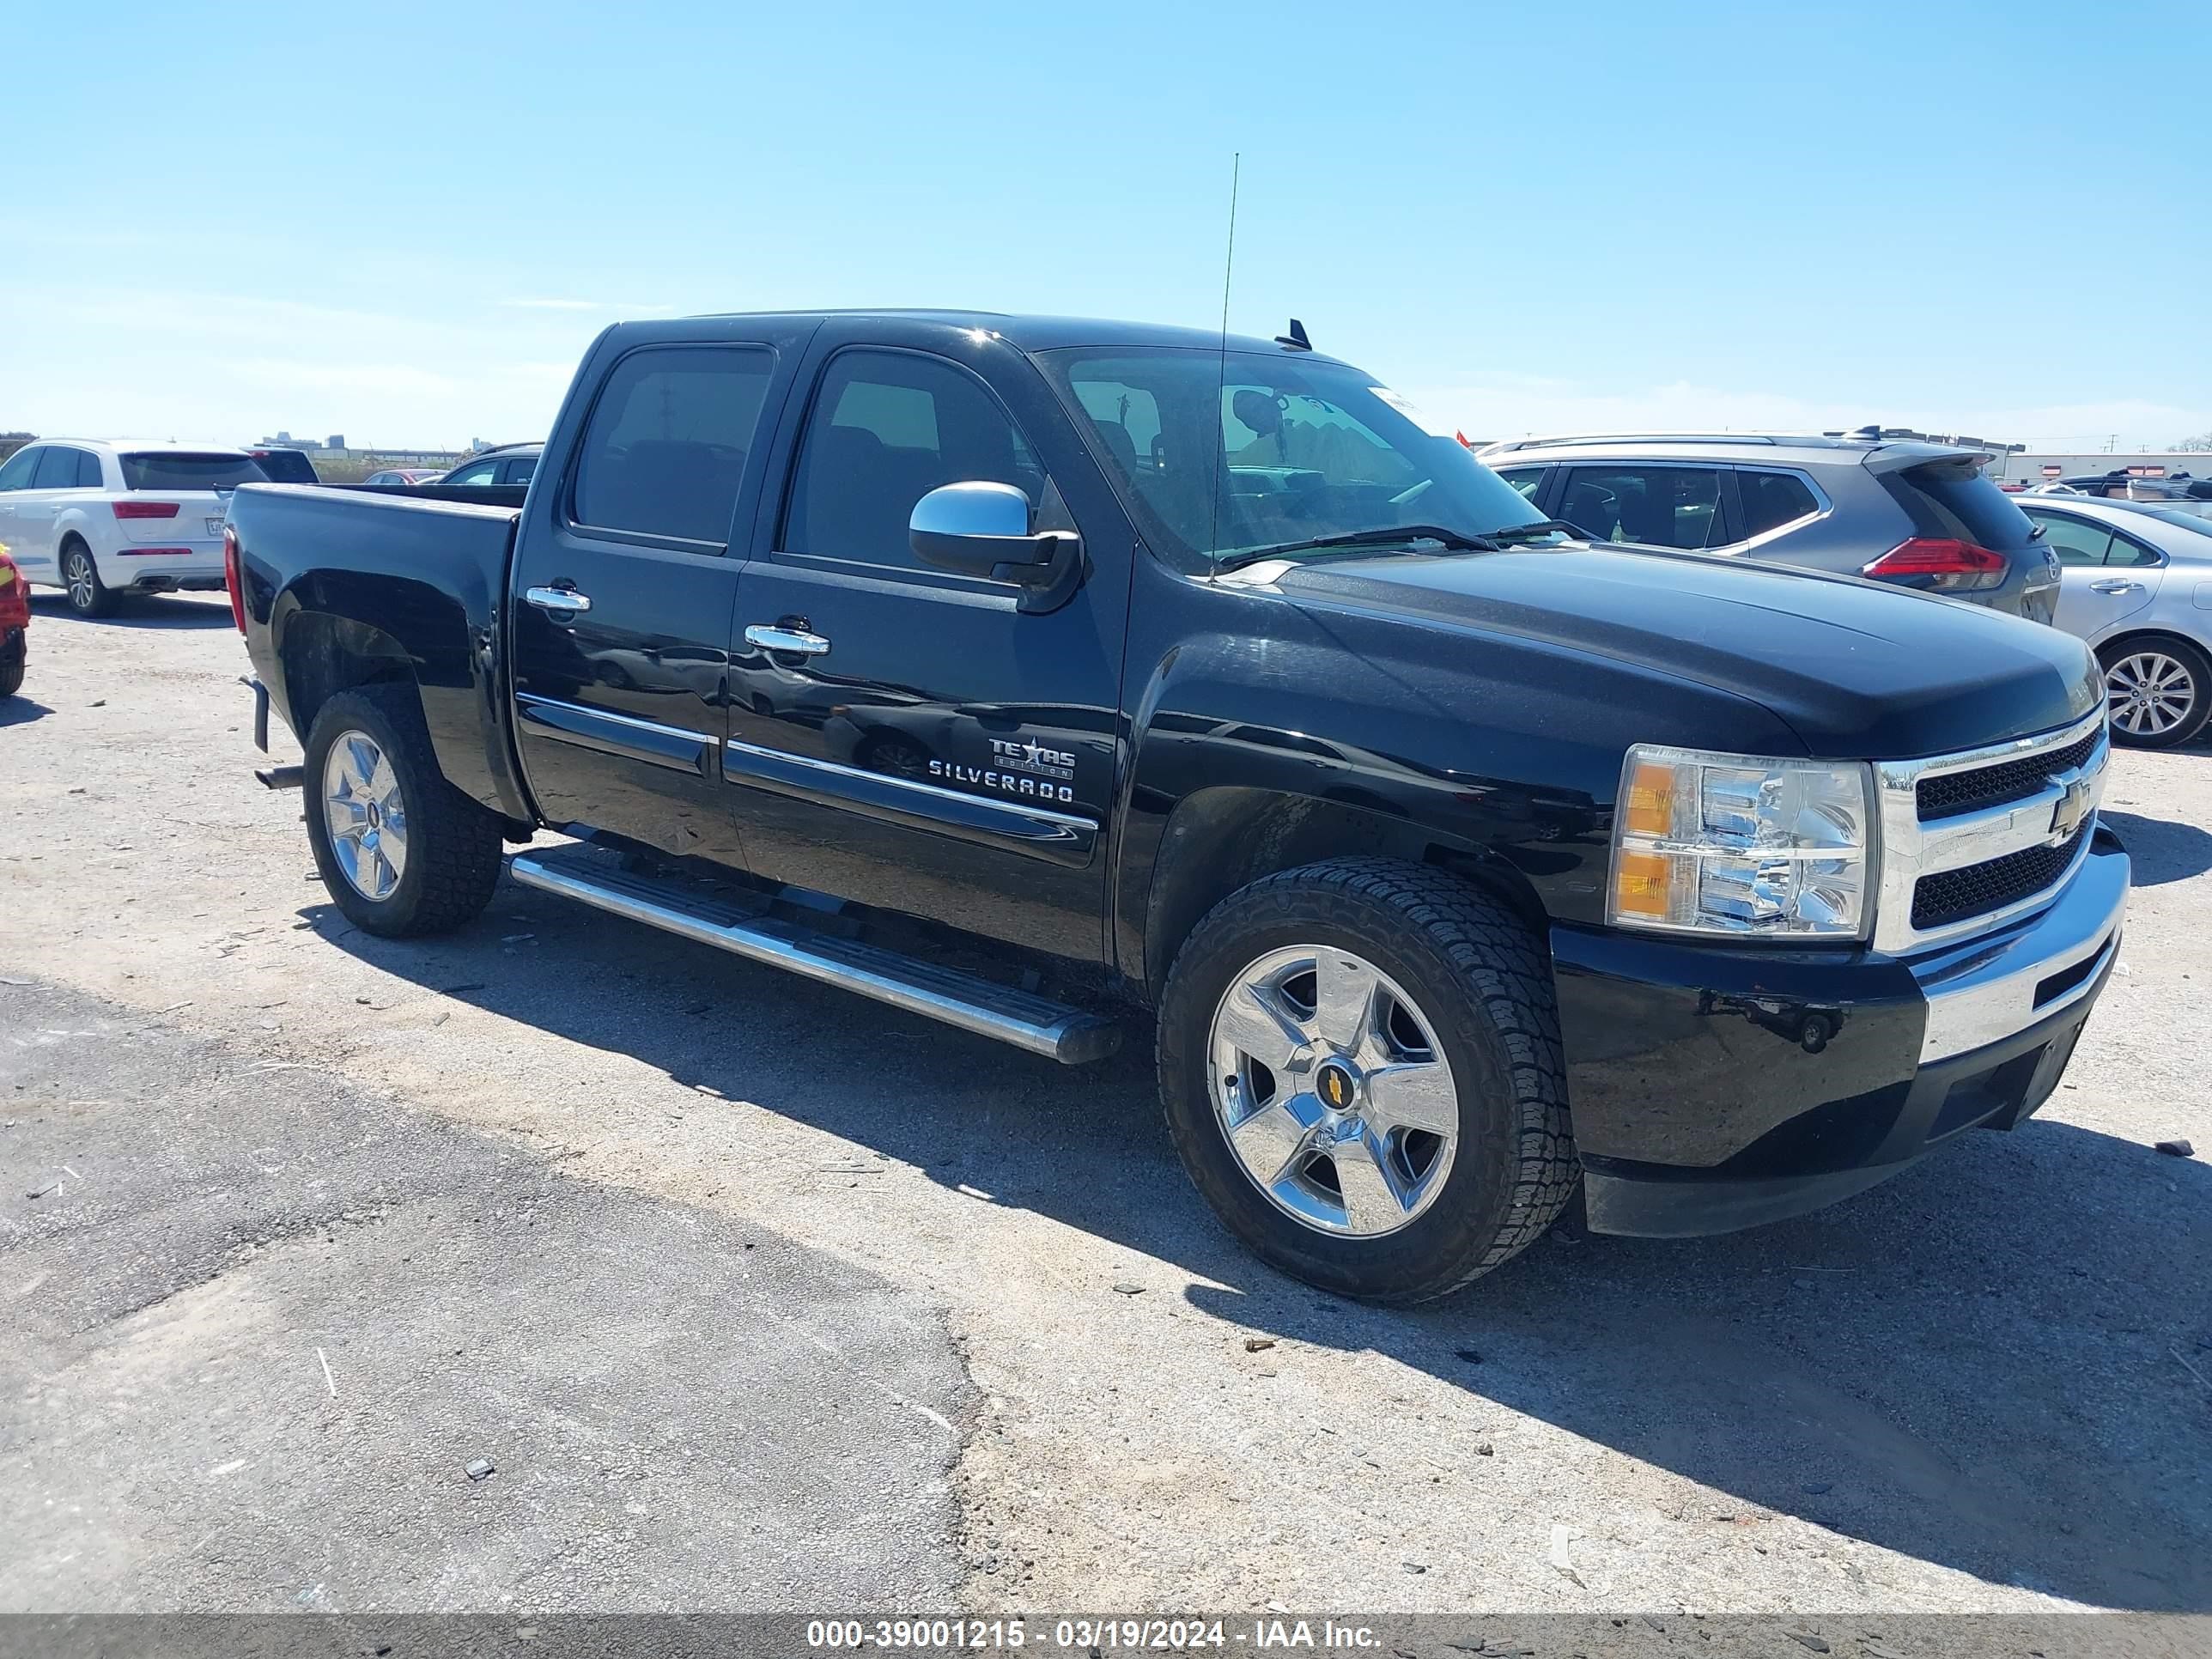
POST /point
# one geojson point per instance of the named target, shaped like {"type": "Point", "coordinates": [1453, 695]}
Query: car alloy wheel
{"type": "Point", "coordinates": [1331, 1091]}
{"type": "Point", "coordinates": [82, 580]}
{"type": "Point", "coordinates": [2150, 693]}
{"type": "Point", "coordinates": [367, 815]}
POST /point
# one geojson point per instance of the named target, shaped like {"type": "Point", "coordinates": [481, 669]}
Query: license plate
{"type": "Point", "coordinates": [214, 529]}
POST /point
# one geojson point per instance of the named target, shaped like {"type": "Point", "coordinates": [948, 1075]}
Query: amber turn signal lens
{"type": "Point", "coordinates": [1642, 883]}
{"type": "Point", "coordinates": [1650, 808]}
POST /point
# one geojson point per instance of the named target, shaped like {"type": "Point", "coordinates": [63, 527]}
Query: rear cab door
{"type": "Point", "coordinates": [625, 577]}
{"type": "Point", "coordinates": [938, 748]}
{"type": "Point", "coordinates": [2105, 575]}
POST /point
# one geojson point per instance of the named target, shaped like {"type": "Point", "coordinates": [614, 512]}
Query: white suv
{"type": "Point", "coordinates": [99, 519]}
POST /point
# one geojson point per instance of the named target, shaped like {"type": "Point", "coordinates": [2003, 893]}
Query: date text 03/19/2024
{"type": "Point", "coordinates": [1105, 1635]}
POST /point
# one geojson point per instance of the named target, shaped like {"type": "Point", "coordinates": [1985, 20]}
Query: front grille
{"type": "Point", "coordinates": [1978, 889]}
{"type": "Point", "coordinates": [1950, 794]}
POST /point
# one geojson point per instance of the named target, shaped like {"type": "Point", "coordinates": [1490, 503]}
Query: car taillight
{"type": "Point", "coordinates": [232, 578]}
{"type": "Point", "coordinates": [1942, 563]}
{"type": "Point", "coordinates": [147, 509]}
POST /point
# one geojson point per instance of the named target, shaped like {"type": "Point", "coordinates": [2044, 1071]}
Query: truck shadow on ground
{"type": "Point", "coordinates": [2163, 849]}
{"type": "Point", "coordinates": [19, 710]}
{"type": "Point", "coordinates": [141, 611]}
{"type": "Point", "coordinates": [2000, 1362]}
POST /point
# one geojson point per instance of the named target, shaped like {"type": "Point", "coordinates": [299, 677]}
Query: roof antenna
{"type": "Point", "coordinates": [1296, 339]}
{"type": "Point", "coordinates": [1221, 384]}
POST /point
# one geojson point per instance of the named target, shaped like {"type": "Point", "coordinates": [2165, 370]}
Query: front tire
{"type": "Point", "coordinates": [2158, 692]}
{"type": "Point", "coordinates": [401, 851]}
{"type": "Point", "coordinates": [88, 596]}
{"type": "Point", "coordinates": [1360, 1065]}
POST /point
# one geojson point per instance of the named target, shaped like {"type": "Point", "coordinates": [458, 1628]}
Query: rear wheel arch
{"type": "Point", "coordinates": [322, 654]}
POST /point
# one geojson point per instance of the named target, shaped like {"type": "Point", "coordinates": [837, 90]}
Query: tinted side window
{"type": "Point", "coordinates": [1772, 500]}
{"type": "Point", "coordinates": [886, 428]}
{"type": "Point", "coordinates": [517, 472]}
{"type": "Point", "coordinates": [1523, 478]}
{"type": "Point", "coordinates": [2076, 541]}
{"type": "Point", "coordinates": [1657, 505]}
{"type": "Point", "coordinates": [16, 474]}
{"type": "Point", "coordinates": [482, 472]}
{"type": "Point", "coordinates": [57, 470]}
{"type": "Point", "coordinates": [2125, 551]}
{"type": "Point", "coordinates": [665, 449]}
{"type": "Point", "coordinates": [87, 471]}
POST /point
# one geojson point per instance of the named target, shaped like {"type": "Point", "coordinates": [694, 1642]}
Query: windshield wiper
{"type": "Point", "coordinates": [1540, 527]}
{"type": "Point", "coordinates": [1381, 536]}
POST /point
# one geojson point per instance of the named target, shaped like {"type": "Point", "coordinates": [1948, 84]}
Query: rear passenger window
{"type": "Point", "coordinates": [2077, 542]}
{"type": "Point", "coordinates": [887, 427]}
{"type": "Point", "coordinates": [1772, 500]}
{"type": "Point", "coordinates": [88, 470]}
{"type": "Point", "coordinates": [665, 449]}
{"type": "Point", "coordinates": [2124, 552]}
{"type": "Point", "coordinates": [57, 470]}
{"type": "Point", "coordinates": [1657, 505]}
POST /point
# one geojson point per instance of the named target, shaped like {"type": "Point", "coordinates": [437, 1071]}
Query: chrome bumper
{"type": "Point", "coordinates": [1983, 992]}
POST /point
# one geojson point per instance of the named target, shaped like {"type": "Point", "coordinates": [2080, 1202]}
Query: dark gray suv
{"type": "Point", "coordinates": [1918, 514]}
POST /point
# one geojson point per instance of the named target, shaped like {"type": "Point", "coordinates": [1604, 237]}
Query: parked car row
{"type": "Point", "coordinates": [1019, 673]}
{"type": "Point", "coordinates": [101, 520]}
{"type": "Point", "coordinates": [2132, 578]}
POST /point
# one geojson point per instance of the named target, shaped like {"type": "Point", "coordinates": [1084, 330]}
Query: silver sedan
{"type": "Point", "coordinates": [2138, 586]}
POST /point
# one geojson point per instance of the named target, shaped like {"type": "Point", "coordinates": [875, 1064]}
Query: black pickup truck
{"type": "Point", "coordinates": [1038, 675]}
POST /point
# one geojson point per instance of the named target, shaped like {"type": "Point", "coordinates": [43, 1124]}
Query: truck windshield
{"type": "Point", "coordinates": [1218, 460]}
{"type": "Point", "coordinates": [168, 469]}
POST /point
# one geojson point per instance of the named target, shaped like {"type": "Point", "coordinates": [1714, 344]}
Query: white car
{"type": "Point", "coordinates": [99, 519]}
{"type": "Point", "coordinates": [2137, 584]}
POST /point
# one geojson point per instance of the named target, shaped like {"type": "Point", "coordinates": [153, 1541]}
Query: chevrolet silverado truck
{"type": "Point", "coordinates": [1046, 676]}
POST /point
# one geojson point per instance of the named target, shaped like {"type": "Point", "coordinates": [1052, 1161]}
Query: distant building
{"type": "Point", "coordinates": [335, 440]}
{"type": "Point", "coordinates": [2043, 465]}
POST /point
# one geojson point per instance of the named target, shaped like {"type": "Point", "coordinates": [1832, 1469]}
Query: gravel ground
{"type": "Point", "coordinates": [1986, 1385]}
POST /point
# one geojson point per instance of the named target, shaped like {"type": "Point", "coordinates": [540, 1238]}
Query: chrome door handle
{"type": "Point", "coordinates": [558, 601]}
{"type": "Point", "coordinates": [794, 640]}
{"type": "Point", "coordinates": [2116, 585]}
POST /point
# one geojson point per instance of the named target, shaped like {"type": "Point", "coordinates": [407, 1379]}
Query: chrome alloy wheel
{"type": "Point", "coordinates": [366, 813]}
{"type": "Point", "coordinates": [1331, 1091]}
{"type": "Point", "coordinates": [83, 582]}
{"type": "Point", "coordinates": [2149, 693]}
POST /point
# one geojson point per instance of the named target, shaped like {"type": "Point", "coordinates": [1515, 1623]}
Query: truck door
{"type": "Point", "coordinates": [624, 583]}
{"type": "Point", "coordinates": [902, 736]}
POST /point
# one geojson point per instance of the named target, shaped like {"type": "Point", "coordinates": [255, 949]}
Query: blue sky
{"type": "Point", "coordinates": [404, 224]}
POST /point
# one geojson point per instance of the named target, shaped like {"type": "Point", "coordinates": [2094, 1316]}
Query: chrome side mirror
{"type": "Point", "coordinates": [983, 529]}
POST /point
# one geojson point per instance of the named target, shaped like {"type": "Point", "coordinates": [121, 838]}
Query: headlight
{"type": "Point", "coordinates": [1740, 844]}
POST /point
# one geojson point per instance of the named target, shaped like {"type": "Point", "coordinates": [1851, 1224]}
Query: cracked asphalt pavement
{"type": "Point", "coordinates": [547, 1142]}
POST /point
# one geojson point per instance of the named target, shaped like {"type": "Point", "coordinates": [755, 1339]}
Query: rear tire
{"type": "Point", "coordinates": [11, 680]}
{"type": "Point", "coordinates": [1463, 991]}
{"type": "Point", "coordinates": [401, 851]}
{"type": "Point", "coordinates": [2159, 690]}
{"type": "Point", "coordinates": [88, 596]}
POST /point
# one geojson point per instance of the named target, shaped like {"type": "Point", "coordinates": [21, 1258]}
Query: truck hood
{"type": "Point", "coordinates": [1858, 669]}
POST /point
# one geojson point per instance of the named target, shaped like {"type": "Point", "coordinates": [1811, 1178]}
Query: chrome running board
{"type": "Point", "coordinates": [675, 906]}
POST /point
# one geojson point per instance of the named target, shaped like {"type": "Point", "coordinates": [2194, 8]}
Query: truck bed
{"type": "Point", "coordinates": [421, 579]}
